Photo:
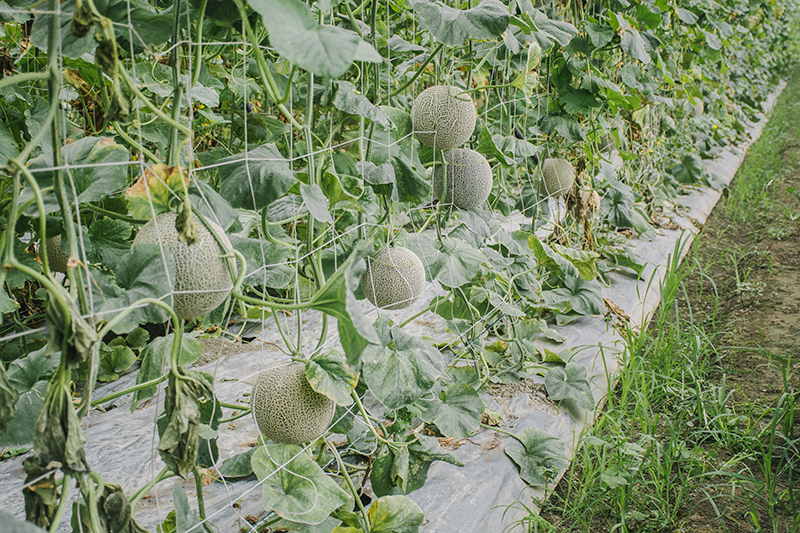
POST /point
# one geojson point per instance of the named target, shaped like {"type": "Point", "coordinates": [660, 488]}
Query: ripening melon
{"type": "Point", "coordinates": [442, 117]}
{"type": "Point", "coordinates": [286, 408]}
{"type": "Point", "coordinates": [557, 177]}
{"type": "Point", "coordinates": [56, 258]}
{"type": "Point", "coordinates": [202, 278]}
{"type": "Point", "coordinates": [394, 278]}
{"type": "Point", "coordinates": [468, 176]}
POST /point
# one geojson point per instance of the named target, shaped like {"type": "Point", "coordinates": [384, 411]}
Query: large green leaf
{"type": "Point", "coordinates": [584, 260]}
{"type": "Point", "coordinates": [554, 262]}
{"type": "Point", "coordinates": [39, 365]}
{"type": "Point", "coordinates": [316, 202]}
{"type": "Point", "coordinates": [144, 273]}
{"type": "Point", "coordinates": [546, 31]}
{"type": "Point", "coordinates": [600, 35]}
{"type": "Point", "coordinates": [337, 299]}
{"type": "Point", "coordinates": [100, 171]}
{"type": "Point", "coordinates": [542, 458]}
{"type": "Point", "coordinates": [569, 382]}
{"type": "Point", "coordinates": [8, 145]}
{"type": "Point", "coordinates": [456, 412]}
{"type": "Point", "coordinates": [454, 27]}
{"type": "Point", "coordinates": [633, 45]}
{"type": "Point", "coordinates": [487, 147]}
{"type": "Point", "coordinates": [114, 359]}
{"type": "Point", "coordinates": [155, 360]}
{"type": "Point", "coordinates": [328, 374]}
{"type": "Point", "coordinates": [294, 486]}
{"type": "Point", "coordinates": [395, 514]}
{"type": "Point", "coordinates": [8, 397]}
{"type": "Point", "coordinates": [412, 185]}
{"type": "Point", "coordinates": [404, 469]}
{"type": "Point", "coordinates": [586, 297]}
{"type": "Point", "coordinates": [403, 371]}
{"type": "Point", "coordinates": [394, 139]}
{"type": "Point", "coordinates": [21, 429]}
{"type": "Point", "coordinates": [324, 50]}
{"type": "Point", "coordinates": [457, 263]}
{"type": "Point", "coordinates": [110, 242]}
{"type": "Point", "coordinates": [347, 100]}
{"type": "Point", "coordinates": [266, 261]}
{"type": "Point", "coordinates": [8, 524]}
{"type": "Point", "coordinates": [255, 179]}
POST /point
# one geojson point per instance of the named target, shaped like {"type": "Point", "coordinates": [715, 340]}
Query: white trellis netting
{"type": "Point", "coordinates": [122, 446]}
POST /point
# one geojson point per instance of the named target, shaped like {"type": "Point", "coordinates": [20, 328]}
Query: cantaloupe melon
{"type": "Point", "coordinates": [442, 117]}
{"type": "Point", "coordinates": [557, 177]}
{"type": "Point", "coordinates": [469, 178]}
{"type": "Point", "coordinates": [202, 278]}
{"type": "Point", "coordinates": [56, 258]}
{"type": "Point", "coordinates": [286, 408]}
{"type": "Point", "coordinates": [394, 278]}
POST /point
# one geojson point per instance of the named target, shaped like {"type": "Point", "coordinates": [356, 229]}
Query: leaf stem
{"type": "Point", "coordinates": [139, 494]}
{"type": "Point", "coordinates": [115, 216]}
{"type": "Point", "coordinates": [22, 78]}
{"type": "Point", "coordinates": [62, 503]}
{"type": "Point", "coordinates": [133, 144]}
{"type": "Point", "coordinates": [503, 432]}
{"type": "Point", "coordinates": [201, 502]}
{"type": "Point", "coordinates": [349, 481]}
{"type": "Point", "coordinates": [198, 39]}
{"type": "Point", "coordinates": [129, 390]}
{"type": "Point", "coordinates": [419, 71]}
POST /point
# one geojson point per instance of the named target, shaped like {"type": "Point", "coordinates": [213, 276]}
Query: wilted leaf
{"type": "Point", "coordinates": [395, 514]}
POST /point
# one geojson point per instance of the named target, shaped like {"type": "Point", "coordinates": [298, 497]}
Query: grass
{"type": "Point", "coordinates": [677, 448]}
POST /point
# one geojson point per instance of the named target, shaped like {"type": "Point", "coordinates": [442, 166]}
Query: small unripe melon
{"type": "Point", "coordinates": [56, 258]}
{"type": "Point", "coordinates": [443, 118]}
{"type": "Point", "coordinates": [469, 178]}
{"type": "Point", "coordinates": [394, 278]}
{"type": "Point", "coordinates": [286, 408]}
{"type": "Point", "coordinates": [202, 279]}
{"type": "Point", "coordinates": [557, 178]}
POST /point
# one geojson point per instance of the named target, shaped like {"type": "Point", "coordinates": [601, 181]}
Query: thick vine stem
{"type": "Point", "coordinates": [22, 78]}
{"type": "Point", "coordinates": [129, 390]}
{"type": "Point", "coordinates": [350, 484]}
{"type": "Point", "coordinates": [39, 203]}
{"type": "Point", "coordinates": [198, 38]}
{"type": "Point", "coordinates": [62, 503]}
{"type": "Point", "coordinates": [201, 503]}
{"type": "Point", "coordinates": [267, 81]}
{"type": "Point", "coordinates": [419, 71]}
{"type": "Point", "coordinates": [142, 492]}
{"type": "Point", "coordinates": [133, 144]}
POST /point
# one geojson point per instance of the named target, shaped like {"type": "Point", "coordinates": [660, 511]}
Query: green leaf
{"type": "Point", "coordinates": [316, 202]}
{"type": "Point", "coordinates": [412, 185]}
{"type": "Point", "coordinates": [155, 360]}
{"type": "Point", "coordinates": [395, 514]}
{"type": "Point", "coordinates": [137, 339]}
{"type": "Point", "coordinates": [337, 299]}
{"type": "Point", "coordinates": [457, 263]}
{"type": "Point", "coordinates": [349, 101]}
{"type": "Point", "coordinates": [113, 360]}
{"type": "Point", "coordinates": [185, 518]}
{"type": "Point", "coordinates": [686, 16]}
{"type": "Point", "coordinates": [404, 469]}
{"type": "Point", "coordinates": [403, 371]}
{"type": "Point", "coordinates": [8, 145]}
{"type": "Point", "coordinates": [265, 261]}
{"type": "Point", "coordinates": [554, 262]}
{"type": "Point", "coordinates": [294, 486]}
{"type": "Point", "coordinates": [647, 17]}
{"type": "Point", "coordinates": [255, 179]}
{"type": "Point", "coordinates": [634, 46]}
{"type": "Point", "coordinates": [381, 178]}
{"type": "Point", "coordinates": [8, 524]}
{"type": "Point", "coordinates": [394, 139]}
{"type": "Point", "coordinates": [569, 382]}
{"type": "Point", "coordinates": [39, 365]}
{"type": "Point", "coordinates": [600, 35]}
{"type": "Point", "coordinates": [238, 466]}
{"type": "Point", "coordinates": [8, 397]}
{"type": "Point", "coordinates": [457, 412]}
{"type": "Point", "coordinates": [178, 441]}
{"type": "Point", "coordinates": [454, 27]}
{"type": "Point", "coordinates": [713, 42]}
{"type": "Point", "coordinates": [141, 274]}
{"type": "Point", "coordinates": [7, 304]}
{"type": "Point", "coordinates": [98, 173]}
{"type": "Point", "coordinates": [158, 189]}
{"type": "Point", "coordinates": [294, 33]}
{"type": "Point", "coordinates": [488, 148]}
{"type": "Point", "coordinates": [586, 297]}
{"type": "Point", "coordinates": [110, 242]}
{"type": "Point", "coordinates": [329, 374]}
{"type": "Point", "coordinates": [542, 458]}
{"type": "Point", "coordinates": [583, 260]}
{"type": "Point", "coordinates": [546, 31]}
{"type": "Point", "coordinates": [566, 126]}
{"type": "Point", "coordinates": [578, 101]}
{"type": "Point", "coordinates": [21, 428]}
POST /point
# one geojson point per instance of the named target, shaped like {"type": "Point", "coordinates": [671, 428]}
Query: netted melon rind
{"type": "Point", "coordinates": [56, 258]}
{"type": "Point", "coordinates": [394, 278]}
{"type": "Point", "coordinates": [286, 409]}
{"type": "Point", "coordinates": [202, 278]}
{"type": "Point", "coordinates": [469, 178]}
{"type": "Point", "coordinates": [557, 177]}
{"type": "Point", "coordinates": [442, 117]}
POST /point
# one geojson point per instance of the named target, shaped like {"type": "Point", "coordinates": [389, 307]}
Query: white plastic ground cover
{"type": "Point", "coordinates": [480, 496]}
